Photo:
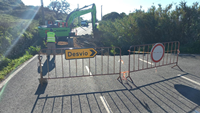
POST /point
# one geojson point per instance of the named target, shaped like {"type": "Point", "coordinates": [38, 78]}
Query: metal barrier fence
{"type": "Point", "coordinates": [108, 61]}
{"type": "Point", "coordinates": [104, 63]}
{"type": "Point", "coordinates": [139, 56]}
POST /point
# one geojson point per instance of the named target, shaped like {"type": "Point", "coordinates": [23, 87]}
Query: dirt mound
{"type": "Point", "coordinates": [86, 41]}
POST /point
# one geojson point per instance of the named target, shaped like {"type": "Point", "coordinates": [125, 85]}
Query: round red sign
{"type": "Point", "coordinates": [157, 52]}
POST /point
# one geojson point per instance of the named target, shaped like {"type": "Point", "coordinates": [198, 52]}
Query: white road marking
{"type": "Point", "coordinates": [146, 61]}
{"type": "Point", "coordinates": [13, 74]}
{"type": "Point", "coordinates": [106, 105]}
{"type": "Point", "coordinates": [189, 79]}
{"type": "Point", "coordinates": [86, 42]}
{"type": "Point", "coordinates": [88, 70]}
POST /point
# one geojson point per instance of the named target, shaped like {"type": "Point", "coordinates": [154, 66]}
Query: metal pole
{"type": "Point", "coordinates": [78, 16]}
{"type": "Point", "coordinates": [43, 20]}
{"type": "Point", "coordinates": [101, 12]}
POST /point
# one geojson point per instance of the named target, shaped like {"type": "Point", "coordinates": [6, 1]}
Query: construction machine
{"type": "Point", "coordinates": [63, 29]}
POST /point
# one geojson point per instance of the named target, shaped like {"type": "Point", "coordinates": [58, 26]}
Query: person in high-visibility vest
{"type": "Point", "coordinates": [51, 40]}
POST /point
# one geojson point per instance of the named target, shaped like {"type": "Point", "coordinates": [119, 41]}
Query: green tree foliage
{"type": "Point", "coordinates": [123, 14]}
{"type": "Point", "coordinates": [10, 4]}
{"type": "Point", "coordinates": [155, 25]}
{"type": "Point", "coordinates": [59, 7]}
{"type": "Point", "coordinates": [111, 16]}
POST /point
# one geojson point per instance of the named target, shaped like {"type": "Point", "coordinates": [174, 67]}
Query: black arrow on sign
{"type": "Point", "coordinates": [93, 52]}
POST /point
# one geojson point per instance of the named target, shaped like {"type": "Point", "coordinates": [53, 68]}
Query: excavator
{"type": "Point", "coordinates": [63, 29]}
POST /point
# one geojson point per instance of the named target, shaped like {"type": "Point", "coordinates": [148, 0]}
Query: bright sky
{"type": "Point", "coordinates": [108, 6]}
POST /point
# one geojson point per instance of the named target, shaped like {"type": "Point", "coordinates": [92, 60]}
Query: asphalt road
{"type": "Point", "coordinates": [84, 30]}
{"type": "Point", "coordinates": [151, 92]}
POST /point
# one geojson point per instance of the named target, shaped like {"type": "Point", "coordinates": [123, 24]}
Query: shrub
{"type": "Point", "coordinates": [111, 16]}
{"type": "Point", "coordinates": [4, 62]}
{"type": "Point", "coordinates": [155, 25]}
{"type": "Point", "coordinates": [34, 50]}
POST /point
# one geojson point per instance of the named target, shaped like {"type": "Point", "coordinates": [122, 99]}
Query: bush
{"type": "Point", "coordinates": [155, 25]}
{"type": "Point", "coordinates": [34, 50]}
{"type": "Point", "coordinates": [112, 16]}
{"type": "Point", "coordinates": [12, 64]}
{"type": "Point", "coordinates": [4, 62]}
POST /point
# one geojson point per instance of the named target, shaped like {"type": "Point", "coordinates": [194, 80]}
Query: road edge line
{"type": "Point", "coordinates": [16, 71]}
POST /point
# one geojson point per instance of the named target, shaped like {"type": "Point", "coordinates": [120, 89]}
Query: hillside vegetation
{"type": "Point", "coordinates": [156, 25]}
{"type": "Point", "coordinates": [19, 38]}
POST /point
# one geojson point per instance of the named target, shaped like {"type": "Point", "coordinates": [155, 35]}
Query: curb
{"type": "Point", "coordinates": [16, 71]}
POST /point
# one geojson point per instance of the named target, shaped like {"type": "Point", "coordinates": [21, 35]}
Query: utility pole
{"type": "Point", "coordinates": [101, 12]}
{"type": "Point", "coordinates": [78, 16]}
{"type": "Point", "coordinates": [43, 21]}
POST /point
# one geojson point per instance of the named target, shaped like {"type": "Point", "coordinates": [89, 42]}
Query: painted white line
{"type": "Point", "coordinates": [146, 61]}
{"type": "Point", "coordinates": [189, 79]}
{"type": "Point", "coordinates": [108, 109]}
{"type": "Point", "coordinates": [13, 74]}
{"type": "Point", "coordinates": [88, 70]}
{"type": "Point", "coordinates": [87, 42]}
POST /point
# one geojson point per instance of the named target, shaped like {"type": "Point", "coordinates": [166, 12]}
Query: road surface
{"type": "Point", "coordinates": [168, 90]}
{"type": "Point", "coordinates": [84, 30]}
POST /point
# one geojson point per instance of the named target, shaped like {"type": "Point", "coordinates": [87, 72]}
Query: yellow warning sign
{"type": "Point", "coordinates": [80, 53]}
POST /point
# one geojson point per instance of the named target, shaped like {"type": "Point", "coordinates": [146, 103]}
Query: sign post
{"type": "Point", "coordinates": [157, 52]}
{"type": "Point", "coordinates": [80, 53]}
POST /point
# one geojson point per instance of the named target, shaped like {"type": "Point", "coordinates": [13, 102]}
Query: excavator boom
{"type": "Point", "coordinates": [70, 18]}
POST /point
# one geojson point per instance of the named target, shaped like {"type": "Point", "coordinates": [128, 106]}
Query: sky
{"type": "Point", "coordinates": [108, 6]}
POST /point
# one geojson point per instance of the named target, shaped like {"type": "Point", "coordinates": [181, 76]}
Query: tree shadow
{"type": "Point", "coordinates": [48, 66]}
{"type": "Point", "coordinates": [189, 92]}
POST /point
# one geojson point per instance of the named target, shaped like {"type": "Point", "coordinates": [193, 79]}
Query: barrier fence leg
{"type": "Point", "coordinates": [129, 77]}
{"type": "Point", "coordinates": [119, 77]}
{"type": "Point", "coordinates": [177, 58]}
{"type": "Point", "coordinates": [41, 79]}
{"type": "Point", "coordinates": [177, 66]}
{"type": "Point", "coordinates": [129, 66]}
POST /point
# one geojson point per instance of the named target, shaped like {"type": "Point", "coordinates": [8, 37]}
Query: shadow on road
{"type": "Point", "coordinates": [48, 66]}
{"type": "Point", "coordinates": [189, 92]}
{"type": "Point", "coordinates": [156, 96]}
{"type": "Point", "coordinates": [40, 90]}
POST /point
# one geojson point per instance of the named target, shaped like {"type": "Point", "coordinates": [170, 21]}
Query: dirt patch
{"type": "Point", "coordinates": [86, 41]}
{"type": "Point", "coordinates": [62, 43]}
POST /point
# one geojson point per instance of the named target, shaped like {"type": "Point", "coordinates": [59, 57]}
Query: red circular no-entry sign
{"type": "Point", "coordinates": [157, 52]}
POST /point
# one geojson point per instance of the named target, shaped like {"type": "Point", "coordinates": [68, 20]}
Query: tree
{"type": "Point", "coordinates": [59, 7]}
{"type": "Point", "coordinates": [111, 16]}
{"type": "Point", "coordinates": [122, 14]}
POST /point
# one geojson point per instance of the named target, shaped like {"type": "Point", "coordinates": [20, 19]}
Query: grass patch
{"type": "Point", "coordinates": [14, 64]}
